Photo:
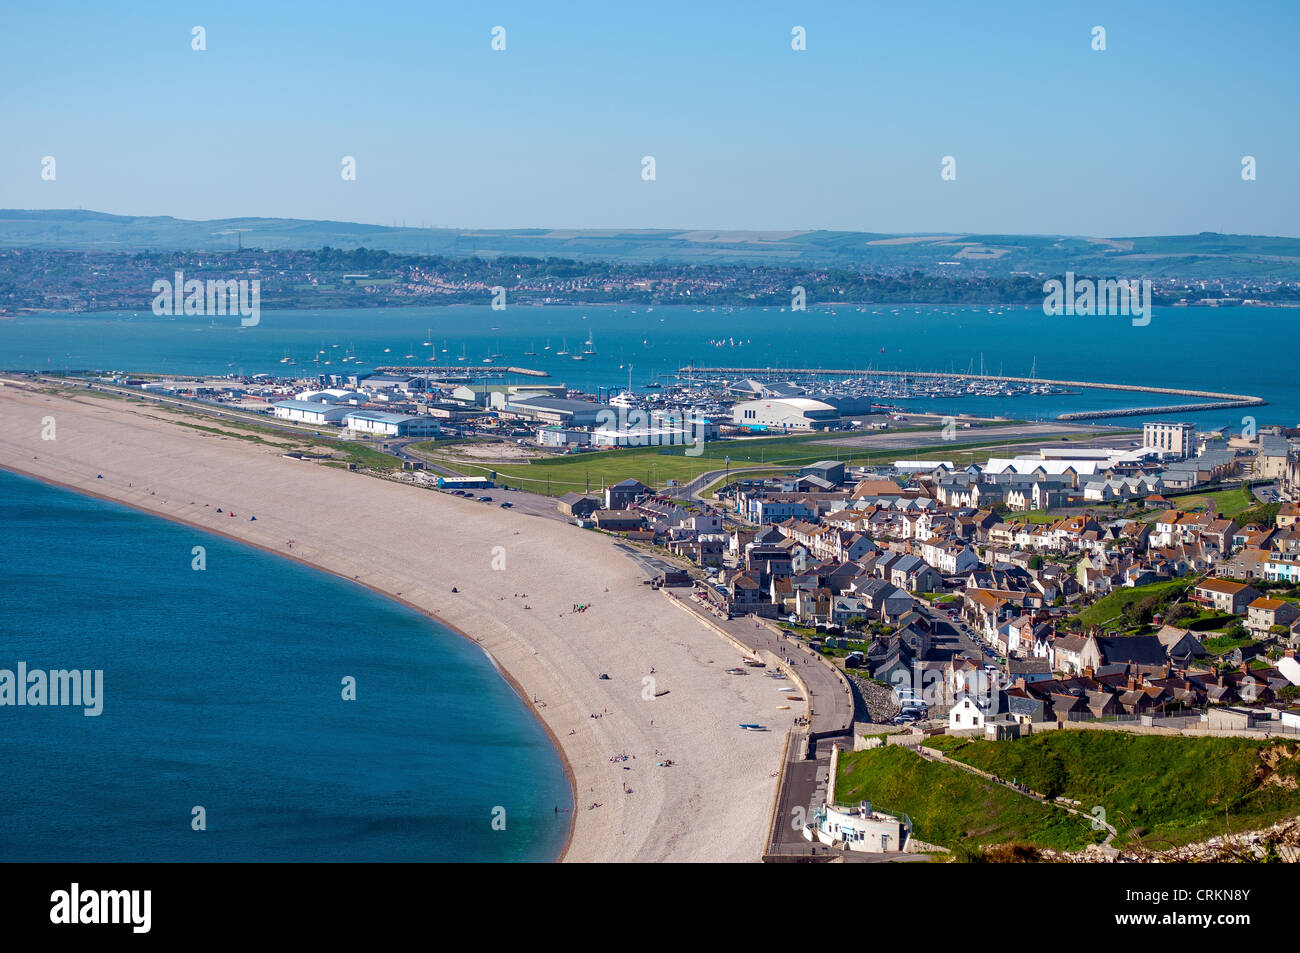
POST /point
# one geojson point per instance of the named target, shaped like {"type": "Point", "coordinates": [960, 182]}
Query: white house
{"type": "Point", "coordinates": [971, 711]}
{"type": "Point", "coordinates": [859, 830]}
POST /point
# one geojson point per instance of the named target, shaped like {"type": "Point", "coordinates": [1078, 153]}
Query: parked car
{"type": "Point", "coordinates": [485, 499]}
{"type": "Point", "coordinates": [505, 504]}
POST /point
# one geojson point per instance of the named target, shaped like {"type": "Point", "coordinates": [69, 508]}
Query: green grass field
{"type": "Point", "coordinates": [1041, 517]}
{"type": "Point", "coordinates": [1227, 503]}
{"type": "Point", "coordinates": [953, 808]}
{"type": "Point", "coordinates": [563, 474]}
{"type": "Point", "coordinates": [1111, 607]}
{"type": "Point", "coordinates": [1162, 789]}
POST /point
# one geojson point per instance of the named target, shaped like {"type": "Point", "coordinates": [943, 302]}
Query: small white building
{"type": "Point", "coordinates": [308, 412]}
{"type": "Point", "coordinates": [862, 829]}
{"type": "Point", "coordinates": [562, 437]}
{"type": "Point", "coordinates": [641, 437]}
{"type": "Point", "coordinates": [390, 425]}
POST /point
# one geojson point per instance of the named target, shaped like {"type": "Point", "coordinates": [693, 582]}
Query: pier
{"type": "Point", "coordinates": [1209, 400]}
{"type": "Point", "coordinates": [1167, 409]}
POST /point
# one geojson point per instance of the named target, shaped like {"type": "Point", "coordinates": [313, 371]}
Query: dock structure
{"type": "Point", "coordinates": [463, 370]}
{"type": "Point", "coordinates": [1208, 400]}
{"type": "Point", "coordinates": [1165, 410]}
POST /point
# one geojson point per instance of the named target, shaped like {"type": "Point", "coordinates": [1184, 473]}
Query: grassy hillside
{"type": "Point", "coordinates": [1190, 256]}
{"type": "Point", "coordinates": [953, 808]}
{"type": "Point", "coordinates": [1228, 503]}
{"type": "Point", "coordinates": [1160, 788]}
{"type": "Point", "coordinates": [1112, 606]}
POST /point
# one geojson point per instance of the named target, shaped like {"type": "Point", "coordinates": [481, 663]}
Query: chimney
{"type": "Point", "coordinates": [1132, 683]}
{"type": "Point", "coordinates": [1020, 681]}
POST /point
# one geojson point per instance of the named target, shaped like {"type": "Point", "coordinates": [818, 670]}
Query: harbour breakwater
{"type": "Point", "coordinates": [1210, 400]}
{"type": "Point", "coordinates": [1166, 409]}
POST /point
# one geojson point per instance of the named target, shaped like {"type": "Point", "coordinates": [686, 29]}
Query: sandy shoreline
{"type": "Point", "coordinates": [413, 545]}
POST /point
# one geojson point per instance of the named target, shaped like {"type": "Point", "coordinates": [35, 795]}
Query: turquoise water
{"type": "Point", "coordinates": [222, 689]}
{"type": "Point", "coordinates": [1237, 350]}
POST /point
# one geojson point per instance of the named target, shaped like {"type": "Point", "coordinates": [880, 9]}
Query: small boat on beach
{"type": "Point", "coordinates": [754, 727]}
{"type": "Point", "coordinates": [736, 671]}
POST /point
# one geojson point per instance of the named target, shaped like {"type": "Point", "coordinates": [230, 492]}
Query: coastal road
{"type": "Point", "coordinates": [803, 791]}
{"type": "Point", "coordinates": [650, 565]}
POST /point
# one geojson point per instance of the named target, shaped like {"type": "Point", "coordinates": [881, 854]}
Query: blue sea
{"type": "Point", "coordinates": [1229, 349]}
{"type": "Point", "coordinates": [223, 690]}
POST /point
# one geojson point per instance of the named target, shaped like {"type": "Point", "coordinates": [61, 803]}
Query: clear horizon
{"type": "Point", "coordinates": [1049, 136]}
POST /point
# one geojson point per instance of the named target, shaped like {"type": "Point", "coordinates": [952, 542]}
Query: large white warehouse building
{"type": "Point", "coordinates": [787, 413]}
{"type": "Point", "coordinates": [391, 425]}
{"type": "Point", "coordinates": [308, 412]}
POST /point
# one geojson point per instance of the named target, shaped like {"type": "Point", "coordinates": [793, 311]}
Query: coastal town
{"type": "Point", "coordinates": [938, 580]}
{"type": "Point", "coordinates": [605, 439]}
{"type": "Point", "coordinates": [37, 279]}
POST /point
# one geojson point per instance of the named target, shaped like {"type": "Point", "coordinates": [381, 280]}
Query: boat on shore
{"type": "Point", "coordinates": [753, 727]}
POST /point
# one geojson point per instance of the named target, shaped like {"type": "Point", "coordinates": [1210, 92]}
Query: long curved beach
{"type": "Point", "coordinates": [415, 545]}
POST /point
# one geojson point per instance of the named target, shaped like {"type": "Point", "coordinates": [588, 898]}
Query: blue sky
{"type": "Point", "coordinates": [1048, 135]}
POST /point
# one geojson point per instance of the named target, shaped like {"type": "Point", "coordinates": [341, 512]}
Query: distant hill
{"type": "Point", "coordinates": [1208, 255]}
